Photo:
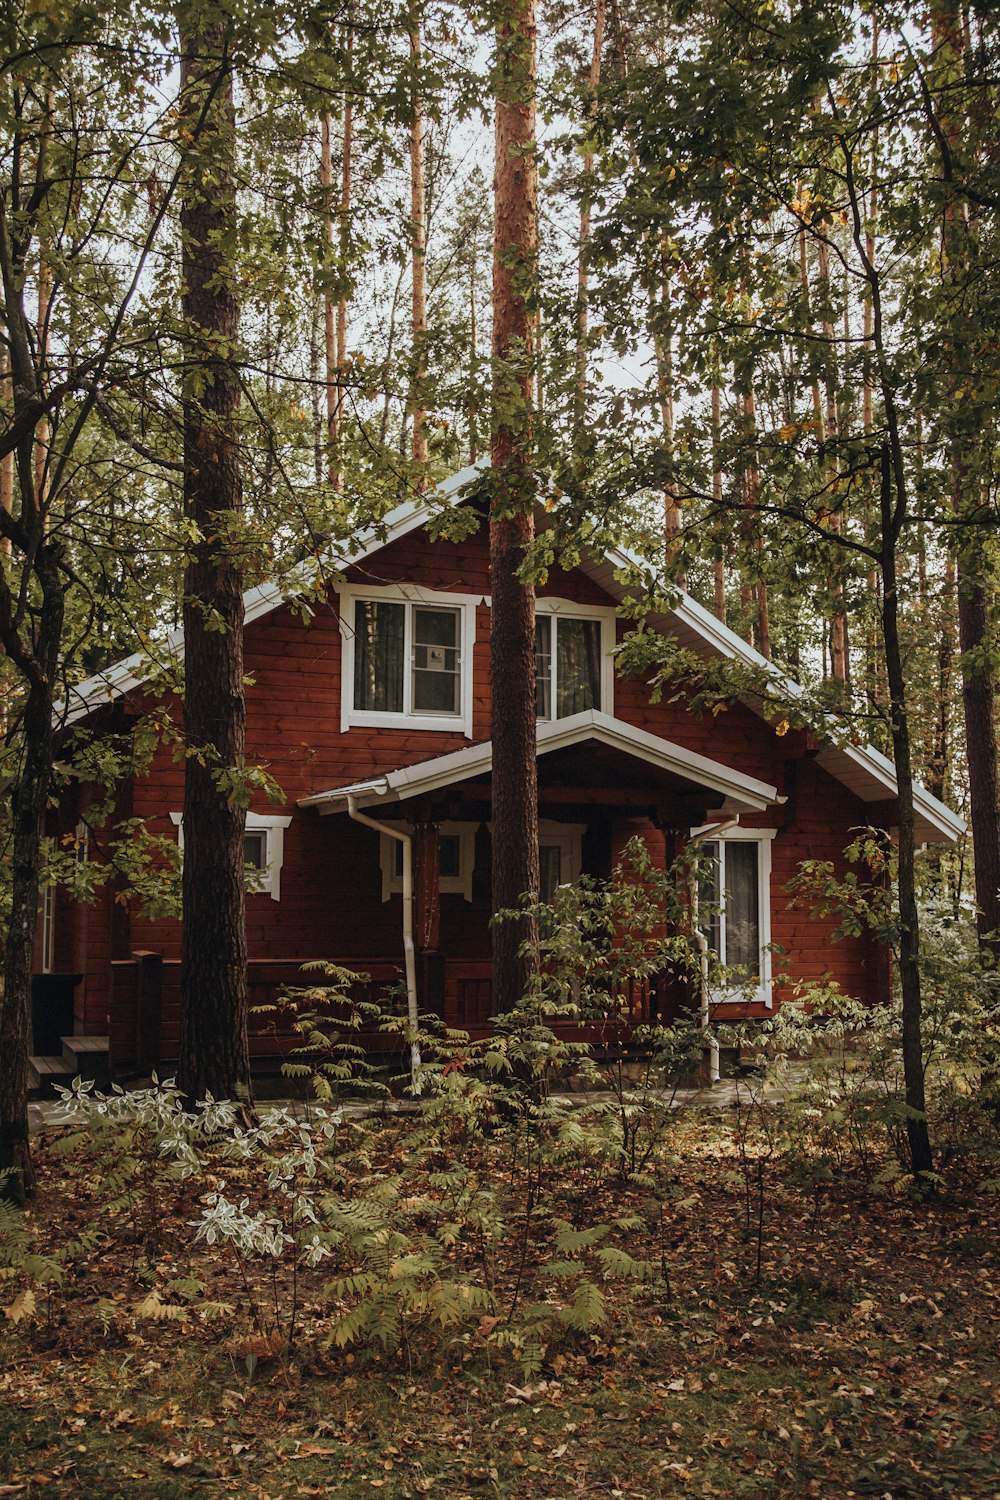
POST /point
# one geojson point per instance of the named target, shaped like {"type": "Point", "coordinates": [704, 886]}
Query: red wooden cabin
{"type": "Point", "coordinates": [376, 703]}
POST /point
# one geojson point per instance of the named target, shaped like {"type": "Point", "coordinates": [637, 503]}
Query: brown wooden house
{"type": "Point", "coordinates": [374, 705]}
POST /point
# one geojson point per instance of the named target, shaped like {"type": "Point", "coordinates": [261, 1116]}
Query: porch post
{"type": "Point", "coordinates": [669, 992]}
{"type": "Point", "coordinates": [426, 860]}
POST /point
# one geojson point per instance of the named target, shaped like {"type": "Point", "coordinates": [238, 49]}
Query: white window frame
{"type": "Point", "coordinates": [557, 609]}
{"type": "Point", "coordinates": [568, 838]}
{"type": "Point", "coordinates": [412, 595]}
{"type": "Point", "coordinates": [267, 880]}
{"type": "Point", "coordinates": [448, 885]}
{"type": "Point", "coordinates": [763, 838]}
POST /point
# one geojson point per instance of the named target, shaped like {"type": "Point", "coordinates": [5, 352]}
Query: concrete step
{"type": "Point", "coordinates": [87, 1057]}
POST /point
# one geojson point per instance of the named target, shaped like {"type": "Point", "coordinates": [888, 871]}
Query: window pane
{"type": "Point", "coordinates": [543, 667]}
{"type": "Point", "coordinates": [578, 666]}
{"type": "Point", "coordinates": [378, 656]}
{"type": "Point", "coordinates": [709, 915]}
{"type": "Point", "coordinates": [549, 869]}
{"type": "Point", "coordinates": [436, 663]}
{"type": "Point", "coordinates": [254, 850]}
{"type": "Point", "coordinates": [742, 907]}
{"type": "Point", "coordinates": [450, 855]}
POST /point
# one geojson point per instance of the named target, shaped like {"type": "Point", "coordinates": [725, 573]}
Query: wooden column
{"type": "Point", "coordinates": [427, 915]}
{"type": "Point", "coordinates": [671, 991]}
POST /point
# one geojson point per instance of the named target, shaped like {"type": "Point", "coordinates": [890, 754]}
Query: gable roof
{"type": "Point", "coordinates": [864, 770]}
{"type": "Point", "coordinates": [740, 793]}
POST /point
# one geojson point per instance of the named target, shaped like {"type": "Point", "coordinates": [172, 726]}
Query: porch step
{"type": "Point", "coordinates": [45, 1072]}
{"type": "Point", "coordinates": [82, 1057]}
{"type": "Point", "coordinates": [87, 1057]}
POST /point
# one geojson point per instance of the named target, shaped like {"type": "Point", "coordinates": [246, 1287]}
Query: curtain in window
{"type": "Point", "coordinates": [549, 869]}
{"type": "Point", "coordinates": [578, 666]}
{"type": "Point", "coordinates": [709, 896]}
{"type": "Point", "coordinates": [543, 666]}
{"type": "Point", "coordinates": [742, 907]}
{"type": "Point", "coordinates": [378, 656]}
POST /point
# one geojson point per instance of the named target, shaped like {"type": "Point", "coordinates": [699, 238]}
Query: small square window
{"type": "Point", "coordinates": [456, 861]}
{"type": "Point", "coordinates": [255, 850]}
{"type": "Point", "coordinates": [263, 851]}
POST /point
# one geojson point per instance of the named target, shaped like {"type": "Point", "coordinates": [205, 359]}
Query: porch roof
{"type": "Point", "coordinates": [732, 791]}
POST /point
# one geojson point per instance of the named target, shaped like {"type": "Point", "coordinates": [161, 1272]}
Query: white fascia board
{"type": "Point", "coordinates": [476, 760]}
{"type": "Point", "coordinates": [377, 788]}
{"type": "Point", "coordinates": [664, 753]}
{"type": "Point", "coordinates": [883, 773]}
{"type": "Point", "coordinates": [876, 766]}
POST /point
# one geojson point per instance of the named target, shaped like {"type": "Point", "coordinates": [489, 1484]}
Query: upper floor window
{"type": "Point", "coordinates": [407, 659]}
{"type": "Point", "coordinates": [736, 898]}
{"type": "Point", "coordinates": [572, 663]}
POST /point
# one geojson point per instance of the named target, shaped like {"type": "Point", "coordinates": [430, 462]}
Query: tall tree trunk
{"type": "Point", "coordinates": [839, 649]}
{"type": "Point", "coordinates": [512, 522]}
{"type": "Point", "coordinates": [344, 246]}
{"type": "Point", "coordinates": [418, 243]}
{"type": "Point", "coordinates": [31, 791]}
{"type": "Point", "coordinates": [979, 702]}
{"type": "Point", "coordinates": [719, 569]}
{"type": "Point", "coordinates": [329, 314]}
{"type": "Point", "coordinates": [663, 345]}
{"type": "Point", "coordinates": [909, 923]}
{"type": "Point", "coordinates": [582, 270]}
{"type": "Point", "coordinates": [31, 640]}
{"type": "Point", "coordinates": [755, 593]}
{"type": "Point", "coordinates": [472, 412]}
{"type": "Point", "coordinates": [975, 594]}
{"type": "Point", "coordinates": [214, 1054]}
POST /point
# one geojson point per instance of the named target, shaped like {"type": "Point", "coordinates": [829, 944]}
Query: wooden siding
{"type": "Point", "coordinates": [331, 904]}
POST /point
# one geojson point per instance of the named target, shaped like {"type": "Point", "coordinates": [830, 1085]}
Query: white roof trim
{"type": "Point", "coordinates": [865, 770]}
{"type": "Point", "coordinates": [743, 793]}
{"type": "Point", "coordinates": [103, 687]}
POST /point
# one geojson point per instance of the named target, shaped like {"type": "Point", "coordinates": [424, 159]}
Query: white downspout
{"type": "Point", "coordinates": [409, 952]}
{"type": "Point", "coordinates": [711, 1051]}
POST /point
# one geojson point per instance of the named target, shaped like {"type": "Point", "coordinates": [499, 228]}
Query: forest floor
{"type": "Point", "coordinates": [859, 1359]}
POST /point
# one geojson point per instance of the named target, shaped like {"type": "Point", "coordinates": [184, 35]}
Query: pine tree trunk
{"type": "Point", "coordinates": [31, 791]}
{"type": "Point", "coordinates": [346, 165]}
{"type": "Point", "coordinates": [968, 462]}
{"type": "Point", "coordinates": [719, 568]}
{"type": "Point", "coordinates": [214, 1054]}
{"type": "Point", "coordinates": [512, 643]}
{"type": "Point", "coordinates": [582, 271]}
{"type": "Point", "coordinates": [980, 706]}
{"type": "Point", "coordinates": [418, 241]}
{"type": "Point", "coordinates": [329, 312]}
{"type": "Point", "coordinates": [917, 1131]}
{"type": "Point", "coordinates": [839, 647]}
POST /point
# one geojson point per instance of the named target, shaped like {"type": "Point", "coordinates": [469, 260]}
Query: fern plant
{"type": "Point", "coordinates": [401, 1283]}
{"type": "Point", "coordinates": [333, 1018]}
